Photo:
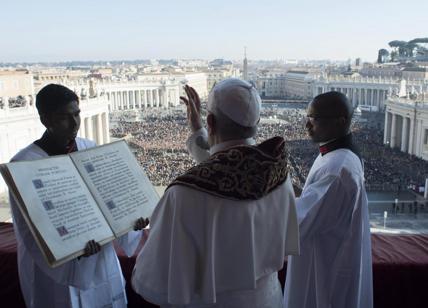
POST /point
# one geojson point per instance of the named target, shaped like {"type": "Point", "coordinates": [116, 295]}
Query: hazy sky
{"type": "Point", "coordinates": [58, 30]}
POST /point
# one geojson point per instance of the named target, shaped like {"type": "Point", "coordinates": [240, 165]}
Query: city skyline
{"type": "Point", "coordinates": [50, 31]}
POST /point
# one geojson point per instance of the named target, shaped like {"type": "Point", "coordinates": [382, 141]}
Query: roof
{"type": "Point", "coordinates": [298, 72]}
{"type": "Point", "coordinates": [415, 69]}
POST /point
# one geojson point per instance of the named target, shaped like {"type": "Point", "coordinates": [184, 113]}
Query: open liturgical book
{"type": "Point", "coordinates": [68, 200]}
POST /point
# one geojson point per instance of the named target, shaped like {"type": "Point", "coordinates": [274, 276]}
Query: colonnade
{"type": "Point", "coordinates": [399, 131]}
{"type": "Point", "coordinates": [358, 95]}
{"type": "Point", "coordinates": [141, 98]}
{"type": "Point", "coordinates": [95, 128]}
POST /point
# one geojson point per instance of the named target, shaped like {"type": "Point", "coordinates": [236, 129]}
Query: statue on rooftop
{"type": "Point", "coordinates": [403, 90]}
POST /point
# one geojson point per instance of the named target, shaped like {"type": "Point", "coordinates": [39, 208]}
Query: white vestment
{"type": "Point", "coordinates": [334, 269]}
{"type": "Point", "coordinates": [208, 251]}
{"type": "Point", "coordinates": [94, 281]}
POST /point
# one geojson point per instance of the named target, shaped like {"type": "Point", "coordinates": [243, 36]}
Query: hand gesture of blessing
{"type": "Point", "coordinates": [193, 104]}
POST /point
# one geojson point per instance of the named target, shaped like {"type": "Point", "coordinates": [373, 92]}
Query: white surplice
{"type": "Point", "coordinates": [91, 282]}
{"type": "Point", "coordinates": [208, 251]}
{"type": "Point", "coordinates": [334, 269]}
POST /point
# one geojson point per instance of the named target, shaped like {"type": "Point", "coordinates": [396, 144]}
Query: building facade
{"type": "Point", "coordinates": [271, 86]}
{"type": "Point", "coordinates": [16, 88]}
{"type": "Point", "coordinates": [214, 76]}
{"type": "Point", "coordinates": [298, 85]}
{"type": "Point", "coordinates": [369, 93]}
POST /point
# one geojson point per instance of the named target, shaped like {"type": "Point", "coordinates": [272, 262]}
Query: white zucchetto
{"type": "Point", "coordinates": [237, 99]}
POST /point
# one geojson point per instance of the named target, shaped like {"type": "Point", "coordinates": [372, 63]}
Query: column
{"type": "Point", "coordinates": [119, 101]}
{"type": "Point", "coordinates": [404, 134]}
{"type": "Point", "coordinates": [354, 97]}
{"type": "Point", "coordinates": [378, 99]}
{"type": "Point", "coordinates": [161, 98]}
{"type": "Point", "coordinates": [82, 129]}
{"type": "Point", "coordinates": [360, 96]}
{"type": "Point", "coordinates": [88, 128]}
{"type": "Point", "coordinates": [150, 98]}
{"type": "Point", "coordinates": [124, 102]}
{"type": "Point", "coordinates": [105, 128]}
{"type": "Point", "coordinates": [137, 99]}
{"type": "Point", "coordinates": [386, 132]}
{"type": "Point", "coordinates": [366, 96]}
{"type": "Point", "coordinates": [165, 98]}
{"type": "Point", "coordinates": [131, 99]}
{"type": "Point", "coordinates": [156, 97]}
{"type": "Point", "coordinates": [393, 130]}
{"type": "Point", "coordinates": [144, 98]}
{"type": "Point", "coordinates": [100, 135]}
{"type": "Point", "coordinates": [112, 102]}
{"type": "Point", "coordinates": [411, 149]}
{"type": "Point", "coordinates": [128, 100]}
{"type": "Point", "coordinates": [418, 139]}
{"type": "Point", "coordinates": [371, 97]}
{"type": "Point", "coordinates": [158, 103]}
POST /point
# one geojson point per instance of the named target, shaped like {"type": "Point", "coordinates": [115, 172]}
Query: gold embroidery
{"type": "Point", "coordinates": [241, 172]}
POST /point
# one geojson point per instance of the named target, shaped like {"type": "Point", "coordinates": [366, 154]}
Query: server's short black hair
{"type": "Point", "coordinates": [53, 96]}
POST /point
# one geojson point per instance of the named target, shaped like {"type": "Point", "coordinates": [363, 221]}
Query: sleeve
{"type": "Point", "coordinates": [316, 205]}
{"type": "Point", "coordinates": [166, 267]}
{"type": "Point", "coordinates": [76, 273]}
{"type": "Point", "coordinates": [197, 145]}
{"type": "Point", "coordinates": [292, 243]}
{"type": "Point", "coordinates": [129, 242]}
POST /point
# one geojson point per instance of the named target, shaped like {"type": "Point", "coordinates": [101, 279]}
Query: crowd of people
{"type": "Point", "coordinates": [159, 140]}
{"type": "Point", "coordinates": [159, 144]}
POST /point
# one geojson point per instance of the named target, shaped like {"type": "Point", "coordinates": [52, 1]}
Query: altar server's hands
{"type": "Point", "coordinates": [141, 223]}
{"type": "Point", "coordinates": [91, 248]}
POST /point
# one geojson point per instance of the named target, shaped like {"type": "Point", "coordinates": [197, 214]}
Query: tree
{"type": "Point", "coordinates": [382, 55]}
{"type": "Point", "coordinates": [398, 47]}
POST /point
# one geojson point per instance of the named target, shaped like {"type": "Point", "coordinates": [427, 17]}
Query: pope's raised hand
{"type": "Point", "coordinates": [193, 104]}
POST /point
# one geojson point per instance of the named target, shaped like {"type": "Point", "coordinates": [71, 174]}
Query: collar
{"type": "Point", "coordinates": [344, 142]}
{"type": "Point", "coordinates": [47, 144]}
{"type": "Point", "coordinates": [227, 144]}
{"type": "Point", "coordinates": [327, 142]}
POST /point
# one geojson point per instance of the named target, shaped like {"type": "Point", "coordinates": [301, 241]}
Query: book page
{"type": "Point", "coordinates": [118, 183]}
{"type": "Point", "coordinates": [59, 204]}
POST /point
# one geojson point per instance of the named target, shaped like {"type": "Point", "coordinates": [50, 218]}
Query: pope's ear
{"type": "Point", "coordinates": [211, 123]}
